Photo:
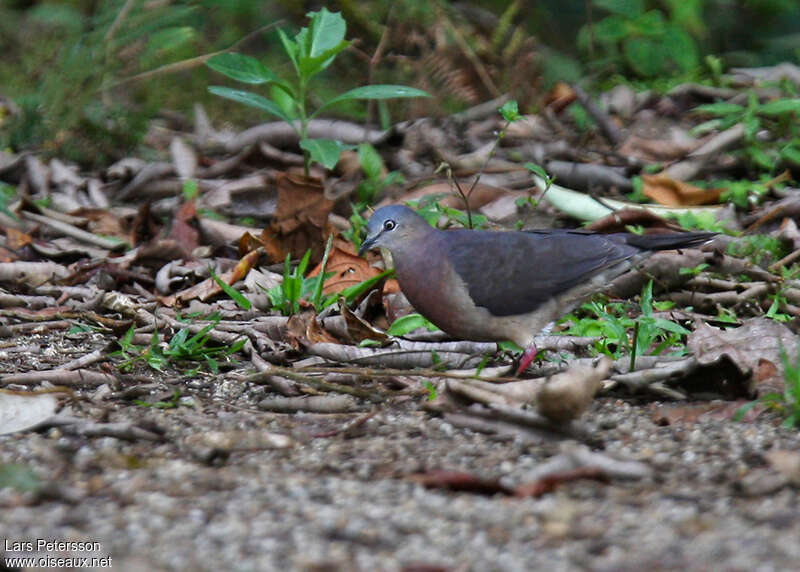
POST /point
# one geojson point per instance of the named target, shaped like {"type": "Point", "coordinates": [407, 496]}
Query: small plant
{"type": "Point", "coordinates": [648, 42]}
{"type": "Point", "coordinates": [183, 347]}
{"type": "Point", "coordinates": [761, 249]}
{"type": "Point", "coordinates": [173, 402]}
{"type": "Point", "coordinates": [7, 194]}
{"type": "Point", "coordinates": [402, 326]}
{"type": "Point", "coordinates": [311, 51]}
{"type": "Point", "coordinates": [432, 210]}
{"type": "Point", "coordinates": [787, 403]}
{"type": "Point", "coordinates": [621, 334]}
{"type": "Point", "coordinates": [295, 287]}
{"type": "Point", "coordinates": [778, 118]}
{"type": "Point", "coordinates": [374, 179]}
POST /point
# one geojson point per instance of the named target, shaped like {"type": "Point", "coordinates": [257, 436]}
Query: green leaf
{"type": "Point", "coordinates": [20, 478]}
{"type": "Point", "coordinates": [291, 48]}
{"type": "Point", "coordinates": [409, 323]}
{"type": "Point", "coordinates": [283, 99]}
{"type": "Point", "coordinates": [325, 31]}
{"type": "Point", "coordinates": [237, 296]}
{"type": "Point", "coordinates": [629, 8]}
{"type": "Point", "coordinates": [780, 106]}
{"type": "Point", "coordinates": [326, 152]}
{"type": "Point", "coordinates": [510, 110]}
{"type": "Point", "coordinates": [720, 108]}
{"type": "Point", "coordinates": [375, 92]}
{"type": "Point", "coordinates": [791, 154]}
{"type": "Point", "coordinates": [538, 171]}
{"type": "Point", "coordinates": [370, 161]}
{"type": "Point", "coordinates": [352, 292]}
{"type": "Point", "coordinates": [312, 65]}
{"type": "Point", "coordinates": [242, 68]}
{"type": "Point", "coordinates": [251, 99]}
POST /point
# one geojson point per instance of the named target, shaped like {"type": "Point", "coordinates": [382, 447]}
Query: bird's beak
{"type": "Point", "coordinates": [368, 244]}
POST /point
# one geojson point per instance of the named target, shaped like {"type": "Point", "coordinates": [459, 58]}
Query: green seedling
{"type": "Point", "coordinates": [432, 391]}
{"type": "Point", "coordinates": [184, 347]}
{"type": "Point", "coordinates": [402, 326]}
{"type": "Point", "coordinates": [358, 226]}
{"type": "Point", "coordinates": [432, 210]}
{"type": "Point", "coordinates": [7, 194]}
{"type": "Point", "coordinates": [694, 270]}
{"type": "Point", "coordinates": [786, 403]}
{"type": "Point", "coordinates": [295, 287]}
{"type": "Point", "coordinates": [375, 181]}
{"type": "Point", "coordinates": [777, 117]}
{"type": "Point", "coordinates": [311, 51]}
{"type": "Point", "coordinates": [173, 402]}
{"type": "Point", "coordinates": [621, 334]}
{"type": "Point", "coordinates": [232, 292]}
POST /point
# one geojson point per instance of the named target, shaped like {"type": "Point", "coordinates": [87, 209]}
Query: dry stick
{"type": "Point", "coordinates": [785, 261]}
{"type": "Point", "coordinates": [264, 378]}
{"type": "Point", "coordinates": [611, 132]}
{"type": "Point", "coordinates": [74, 232]}
{"type": "Point", "coordinates": [191, 62]}
{"type": "Point", "coordinates": [374, 61]}
{"type": "Point", "coordinates": [468, 52]}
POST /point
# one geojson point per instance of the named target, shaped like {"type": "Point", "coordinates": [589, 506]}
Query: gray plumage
{"type": "Point", "coordinates": [489, 285]}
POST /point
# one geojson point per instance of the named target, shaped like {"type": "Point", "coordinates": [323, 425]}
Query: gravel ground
{"type": "Point", "coordinates": [313, 502]}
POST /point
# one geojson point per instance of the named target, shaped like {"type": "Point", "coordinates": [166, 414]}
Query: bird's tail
{"type": "Point", "coordinates": [669, 241]}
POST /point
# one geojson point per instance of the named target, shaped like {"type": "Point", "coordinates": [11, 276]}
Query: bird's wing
{"type": "Point", "coordinates": [512, 273]}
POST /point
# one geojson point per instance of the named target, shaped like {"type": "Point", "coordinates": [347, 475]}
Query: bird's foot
{"type": "Point", "coordinates": [527, 358]}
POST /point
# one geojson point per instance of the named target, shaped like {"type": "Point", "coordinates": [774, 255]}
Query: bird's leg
{"type": "Point", "coordinates": [527, 358]}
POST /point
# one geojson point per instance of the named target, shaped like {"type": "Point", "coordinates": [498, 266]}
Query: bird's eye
{"type": "Point", "coordinates": [389, 225]}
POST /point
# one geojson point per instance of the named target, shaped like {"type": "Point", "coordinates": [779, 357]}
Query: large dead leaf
{"type": "Point", "coordinates": [348, 270]}
{"type": "Point", "coordinates": [672, 192]}
{"type": "Point", "coordinates": [754, 349]}
{"type": "Point", "coordinates": [301, 219]}
{"type": "Point", "coordinates": [22, 410]}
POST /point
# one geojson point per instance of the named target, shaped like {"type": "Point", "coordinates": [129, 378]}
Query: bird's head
{"type": "Point", "coordinates": [392, 227]}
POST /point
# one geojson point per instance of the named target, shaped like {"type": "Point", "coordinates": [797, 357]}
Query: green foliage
{"type": "Point", "coordinates": [432, 210]}
{"type": "Point", "coordinates": [510, 111]}
{"type": "Point", "coordinates": [232, 292]}
{"type": "Point", "coordinates": [698, 220]}
{"type": "Point", "coordinates": [405, 324]}
{"type": "Point", "coordinates": [649, 43]}
{"type": "Point", "coordinates": [184, 347]}
{"type": "Point", "coordinates": [373, 168]}
{"type": "Point", "coordinates": [778, 118]}
{"type": "Point", "coordinates": [311, 51]}
{"type": "Point", "coordinates": [358, 226]}
{"type": "Point", "coordinates": [762, 249]}
{"type": "Point", "coordinates": [20, 478]}
{"type": "Point", "coordinates": [295, 286]}
{"type": "Point", "coordinates": [786, 403]}
{"type": "Point", "coordinates": [621, 334]}
{"type": "Point", "coordinates": [7, 194]}
{"type": "Point", "coordinates": [64, 62]}
{"type": "Point", "coordinates": [173, 402]}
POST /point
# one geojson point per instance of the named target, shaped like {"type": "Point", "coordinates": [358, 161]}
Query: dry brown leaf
{"type": "Point", "coordinates": [185, 234]}
{"type": "Point", "coordinates": [348, 270]}
{"type": "Point", "coordinates": [747, 347]}
{"type": "Point", "coordinates": [17, 239]}
{"type": "Point", "coordinates": [303, 329]}
{"type": "Point", "coordinates": [301, 219]}
{"type": "Point", "coordinates": [481, 195]}
{"type": "Point", "coordinates": [672, 192]}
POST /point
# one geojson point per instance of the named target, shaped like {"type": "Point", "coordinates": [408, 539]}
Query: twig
{"type": "Point", "coordinates": [607, 127]}
{"type": "Point", "coordinates": [191, 62]}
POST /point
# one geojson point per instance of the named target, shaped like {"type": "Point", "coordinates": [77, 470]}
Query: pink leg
{"type": "Point", "coordinates": [527, 358]}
